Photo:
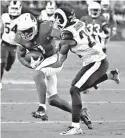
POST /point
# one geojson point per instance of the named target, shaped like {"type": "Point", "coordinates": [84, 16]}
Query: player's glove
{"type": "Point", "coordinates": [35, 63]}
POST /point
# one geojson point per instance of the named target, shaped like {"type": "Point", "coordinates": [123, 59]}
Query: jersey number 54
{"type": "Point", "coordinates": [8, 29]}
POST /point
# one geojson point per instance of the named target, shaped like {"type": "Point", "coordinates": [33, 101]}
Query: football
{"type": "Point", "coordinates": [34, 54]}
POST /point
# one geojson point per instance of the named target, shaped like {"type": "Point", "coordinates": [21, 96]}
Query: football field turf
{"type": "Point", "coordinates": [106, 105]}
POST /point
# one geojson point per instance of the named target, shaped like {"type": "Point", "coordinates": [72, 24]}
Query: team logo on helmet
{"type": "Point", "coordinates": [64, 16]}
{"type": "Point", "coordinates": [27, 26]}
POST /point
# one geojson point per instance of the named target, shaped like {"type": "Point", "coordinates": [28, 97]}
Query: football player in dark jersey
{"type": "Point", "coordinates": [34, 36]}
{"type": "Point", "coordinates": [108, 14]}
{"type": "Point", "coordinates": [97, 24]}
{"type": "Point", "coordinates": [98, 27]}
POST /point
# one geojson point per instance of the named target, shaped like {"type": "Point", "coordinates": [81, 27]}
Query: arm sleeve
{"type": "Point", "coordinates": [105, 26]}
{"type": "Point", "coordinates": [66, 35]}
{"type": "Point", "coordinates": [55, 33]}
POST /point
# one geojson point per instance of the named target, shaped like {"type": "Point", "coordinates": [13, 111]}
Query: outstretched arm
{"type": "Point", "coordinates": [66, 43]}
{"type": "Point", "coordinates": [63, 50]}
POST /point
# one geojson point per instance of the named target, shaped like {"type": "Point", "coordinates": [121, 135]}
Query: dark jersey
{"type": "Point", "coordinates": [41, 42]}
{"type": "Point", "coordinates": [94, 25]}
{"type": "Point", "coordinates": [108, 15]}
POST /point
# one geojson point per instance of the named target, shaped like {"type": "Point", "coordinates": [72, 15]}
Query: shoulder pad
{"type": "Point", "coordinates": [4, 16]}
{"type": "Point", "coordinates": [65, 35]}
{"type": "Point", "coordinates": [45, 27]}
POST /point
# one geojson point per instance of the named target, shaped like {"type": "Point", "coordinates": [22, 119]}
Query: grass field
{"type": "Point", "coordinates": [106, 105]}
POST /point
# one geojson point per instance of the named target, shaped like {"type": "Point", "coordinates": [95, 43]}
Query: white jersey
{"type": "Point", "coordinates": [45, 16]}
{"type": "Point", "coordinates": [82, 49]}
{"type": "Point", "coordinates": [10, 28]}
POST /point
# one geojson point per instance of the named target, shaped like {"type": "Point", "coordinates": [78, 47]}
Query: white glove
{"type": "Point", "coordinates": [35, 63]}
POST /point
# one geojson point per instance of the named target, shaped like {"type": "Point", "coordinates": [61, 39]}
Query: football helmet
{"type": "Point", "coordinates": [15, 8]}
{"type": "Point", "coordinates": [50, 8]}
{"type": "Point", "coordinates": [27, 26]}
{"type": "Point", "coordinates": [94, 9]}
{"type": "Point", "coordinates": [64, 16]}
{"type": "Point", "coordinates": [105, 4]}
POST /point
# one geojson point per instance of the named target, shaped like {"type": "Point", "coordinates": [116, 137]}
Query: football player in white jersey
{"type": "Point", "coordinates": [8, 44]}
{"type": "Point", "coordinates": [48, 12]}
{"type": "Point", "coordinates": [77, 39]}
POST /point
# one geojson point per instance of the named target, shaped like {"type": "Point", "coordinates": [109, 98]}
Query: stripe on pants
{"type": "Point", "coordinates": [87, 74]}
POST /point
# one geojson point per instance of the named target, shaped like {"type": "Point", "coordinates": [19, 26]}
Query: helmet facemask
{"type": "Point", "coordinates": [28, 26]}
{"type": "Point", "coordinates": [14, 8]}
{"type": "Point", "coordinates": [94, 9]}
{"type": "Point", "coordinates": [50, 8]}
{"type": "Point", "coordinates": [28, 34]}
{"type": "Point", "coordinates": [105, 7]}
{"type": "Point", "coordinates": [95, 12]}
{"type": "Point", "coordinates": [105, 4]}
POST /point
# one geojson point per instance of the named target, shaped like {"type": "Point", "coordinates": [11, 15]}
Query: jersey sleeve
{"type": "Point", "coordinates": [103, 21]}
{"type": "Point", "coordinates": [44, 15]}
{"type": "Point", "coordinates": [104, 25]}
{"type": "Point", "coordinates": [45, 29]}
{"type": "Point", "coordinates": [3, 17]}
{"type": "Point", "coordinates": [66, 35]}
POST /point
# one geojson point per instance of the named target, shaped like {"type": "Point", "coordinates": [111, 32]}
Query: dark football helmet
{"type": "Point", "coordinates": [64, 16]}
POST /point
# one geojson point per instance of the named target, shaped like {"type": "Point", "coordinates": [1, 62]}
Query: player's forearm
{"type": "Point", "coordinates": [106, 29]}
{"type": "Point", "coordinates": [63, 50]}
{"type": "Point", "coordinates": [55, 33]}
{"type": "Point", "coordinates": [24, 62]}
{"type": "Point", "coordinates": [91, 40]}
{"type": "Point", "coordinates": [62, 58]}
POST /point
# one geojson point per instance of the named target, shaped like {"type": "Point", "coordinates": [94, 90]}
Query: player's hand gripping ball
{"type": "Point", "coordinates": [34, 54]}
{"type": "Point", "coordinates": [34, 58]}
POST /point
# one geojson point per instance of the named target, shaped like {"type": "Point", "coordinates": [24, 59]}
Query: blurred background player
{"type": "Point", "coordinates": [48, 12]}
{"type": "Point", "coordinates": [8, 44]}
{"type": "Point", "coordinates": [33, 39]}
{"type": "Point", "coordinates": [108, 14]}
{"type": "Point", "coordinates": [98, 27]}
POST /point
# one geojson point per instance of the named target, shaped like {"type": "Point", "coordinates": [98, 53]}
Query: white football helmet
{"type": "Point", "coordinates": [105, 4]}
{"type": "Point", "coordinates": [27, 26]}
{"type": "Point", "coordinates": [15, 8]}
{"type": "Point", "coordinates": [50, 7]}
{"type": "Point", "coordinates": [94, 9]}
